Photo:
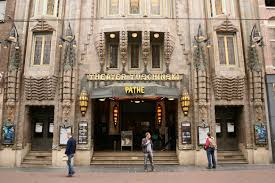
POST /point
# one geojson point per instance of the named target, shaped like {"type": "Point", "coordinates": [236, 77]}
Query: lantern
{"type": "Point", "coordinates": [159, 114]}
{"type": "Point", "coordinates": [185, 103]}
{"type": "Point", "coordinates": [83, 102]}
{"type": "Point", "coordinates": [115, 115]}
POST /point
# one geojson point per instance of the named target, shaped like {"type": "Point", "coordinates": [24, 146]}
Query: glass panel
{"type": "Point", "coordinates": [156, 56]}
{"type": "Point", "coordinates": [47, 49]}
{"type": "Point", "coordinates": [50, 7]}
{"type": "Point", "coordinates": [221, 50]}
{"type": "Point", "coordinates": [134, 56]}
{"type": "Point", "coordinates": [113, 7]}
{"type": "Point", "coordinates": [2, 10]}
{"type": "Point", "coordinates": [218, 5]}
{"type": "Point", "coordinates": [231, 50]}
{"type": "Point", "coordinates": [113, 56]}
{"type": "Point", "coordinates": [272, 43]}
{"type": "Point", "coordinates": [37, 49]}
{"type": "Point", "coordinates": [134, 7]}
{"type": "Point", "coordinates": [155, 7]}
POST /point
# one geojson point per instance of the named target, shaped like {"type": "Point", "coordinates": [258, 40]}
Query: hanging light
{"type": "Point", "coordinates": [134, 35]}
{"type": "Point", "coordinates": [185, 103]}
{"type": "Point", "coordinates": [159, 114]}
{"type": "Point", "coordinates": [13, 34]}
{"type": "Point", "coordinates": [156, 35]}
{"type": "Point", "coordinates": [83, 102]}
{"type": "Point", "coordinates": [115, 115]}
{"type": "Point", "coordinates": [112, 35]}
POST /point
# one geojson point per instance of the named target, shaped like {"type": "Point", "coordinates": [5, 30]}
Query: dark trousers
{"type": "Point", "coordinates": [70, 164]}
{"type": "Point", "coordinates": [150, 157]}
{"type": "Point", "coordinates": [211, 157]}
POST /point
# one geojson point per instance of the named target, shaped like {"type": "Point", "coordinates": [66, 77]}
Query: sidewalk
{"type": "Point", "coordinates": [135, 174]}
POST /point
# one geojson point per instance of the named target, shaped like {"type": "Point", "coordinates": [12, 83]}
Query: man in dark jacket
{"type": "Point", "coordinates": [70, 151]}
{"type": "Point", "coordinates": [147, 147]}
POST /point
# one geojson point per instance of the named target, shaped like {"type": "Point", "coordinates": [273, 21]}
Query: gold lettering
{"type": "Point", "coordinates": [168, 77]}
{"type": "Point", "coordinates": [142, 90]}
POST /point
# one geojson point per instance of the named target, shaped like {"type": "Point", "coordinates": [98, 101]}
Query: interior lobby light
{"type": "Point", "coordinates": [137, 101]}
{"type": "Point", "coordinates": [156, 35]}
{"type": "Point", "coordinates": [171, 99]}
{"type": "Point", "coordinates": [134, 35]}
{"type": "Point", "coordinates": [102, 99]}
{"type": "Point", "coordinates": [112, 35]}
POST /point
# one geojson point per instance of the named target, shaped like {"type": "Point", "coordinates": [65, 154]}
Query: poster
{"type": "Point", "coordinates": [63, 134]}
{"type": "Point", "coordinates": [203, 134]}
{"type": "Point", "coordinates": [51, 127]}
{"type": "Point", "coordinates": [83, 133]}
{"type": "Point", "coordinates": [230, 127]}
{"type": "Point", "coordinates": [8, 134]}
{"type": "Point", "coordinates": [218, 128]}
{"type": "Point", "coordinates": [38, 128]}
{"type": "Point", "coordinates": [126, 138]}
{"type": "Point", "coordinates": [186, 132]}
{"type": "Point", "coordinates": [260, 134]}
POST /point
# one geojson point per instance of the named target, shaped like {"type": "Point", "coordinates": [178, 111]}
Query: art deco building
{"type": "Point", "coordinates": [110, 70]}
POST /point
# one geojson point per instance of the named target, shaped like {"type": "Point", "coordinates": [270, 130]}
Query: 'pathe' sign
{"type": "Point", "coordinates": [134, 89]}
{"type": "Point", "coordinates": [134, 77]}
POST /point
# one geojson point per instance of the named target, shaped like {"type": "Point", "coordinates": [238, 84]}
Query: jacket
{"type": "Point", "coordinates": [144, 145]}
{"type": "Point", "coordinates": [71, 146]}
{"type": "Point", "coordinates": [210, 143]}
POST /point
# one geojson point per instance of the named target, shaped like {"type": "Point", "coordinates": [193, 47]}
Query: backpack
{"type": "Point", "coordinates": [212, 143]}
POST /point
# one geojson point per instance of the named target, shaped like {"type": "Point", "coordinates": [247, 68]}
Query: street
{"type": "Point", "coordinates": [164, 174]}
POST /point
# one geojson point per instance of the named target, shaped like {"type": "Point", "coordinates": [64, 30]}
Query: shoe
{"type": "Point", "coordinates": [153, 170]}
{"type": "Point", "coordinates": [70, 175]}
{"type": "Point", "coordinates": [214, 167]}
{"type": "Point", "coordinates": [73, 172]}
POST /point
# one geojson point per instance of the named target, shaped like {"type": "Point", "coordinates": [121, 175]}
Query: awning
{"type": "Point", "coordinates": [150, 90]}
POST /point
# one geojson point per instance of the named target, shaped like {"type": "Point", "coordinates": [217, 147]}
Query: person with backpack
{"type": "Point", "coordinates": [147, 148]}
{"type": "Point", "coordinates": [210, 147]}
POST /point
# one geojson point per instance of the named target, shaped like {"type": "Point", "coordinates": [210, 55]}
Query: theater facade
{"type": "Point", "coordinates": [110, 70]}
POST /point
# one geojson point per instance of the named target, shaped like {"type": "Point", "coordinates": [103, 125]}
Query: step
{"type": "Point", "coordinates": [131, 154]}
{"type": "Point", "coordinates": [40, 154]}
{"type": "Point", "coordinates": [174, 158]}
{"type": "Point", "coordinates": [37, 162]}
{"type": "Point", "coordinates": [35, 157]}
{"type": "Point", "coordinates": [233, 162]}
{"type": "Point", "coordinates": [131, 163]}
{"type": "Point", "coordinates": [34, 166]}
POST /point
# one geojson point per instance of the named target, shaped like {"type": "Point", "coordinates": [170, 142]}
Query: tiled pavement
{"type": "Point", "coordinates": [135, 174]}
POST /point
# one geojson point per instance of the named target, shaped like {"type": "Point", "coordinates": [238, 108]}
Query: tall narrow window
{"type": "Point", "coordinates": [272, 44]}
{"type": "Point", "coordinates": [227, 50]}
{"type": "Point", "coordinates": [2, 10]}
{"type": "Point", "coordinates": [113, 7]}
{"type": "Point", "coordinates": [112, 40]}
{"type": "Point", "coordinates": [157, 43]}
{"type": "Point", "coordinates": [218, 7]}
{"type": "Point", "coordinates": [134, 6]}
{"type": "Point", "coordinates": [113, 56]}
{"type": "Point", "coordinates": [50, 7]}
{"type": "Point", "coordinates": [134, 56]}
{"type": "Point", "coordinates": [155, 56]}
{"type": "Point", "coordinates": [42, 49]}
{"type": "Point", "coordinates": [134, 40]}
{"type": "Point", "coordinates": [155, 7]}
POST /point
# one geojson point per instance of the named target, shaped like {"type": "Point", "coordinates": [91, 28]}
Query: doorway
{"type": "Point", "coordinates": [42, 123]}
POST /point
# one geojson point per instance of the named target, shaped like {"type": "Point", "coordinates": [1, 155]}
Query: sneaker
{"type": "Point", "coordinates": [70, 175]}
{"type": "Point", "coordinates": [214, 167]}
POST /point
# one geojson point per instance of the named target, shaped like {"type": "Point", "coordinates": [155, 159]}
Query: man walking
{"type": "Point", "coordinates": [210, 147]}
{"type": "Point", "coordinates": [70, 151]}
{"type": "Point", "coordinates": [147, 147]}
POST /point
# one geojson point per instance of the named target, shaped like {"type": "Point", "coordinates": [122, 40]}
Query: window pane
{"type": "Point", "coordinates": [50, 7]}
{"type": "Point", "coordinates": [113, 7]}
{"type": "Point", "coordinates": [272, 43]}
{"type": "Point", "coordinates": [218, 5]}
{"type": "Point", "coordinates": [37, 49]}
{"type": "Point", "coordinates": [47, 49]}
{"type": "Point", "coordinates": [134, 6]}
{"type": "Point", "coordinates": [221, 50]}
{"type": "Point", "coordinates": [155, 7]}
{"type": "Point", "coordinates": [2, 10]}
{"type": "Point", "coordinates": [156, 56]}
{"type": "Point", "coordinates": [231, 51]}
{"type": "Point", "coordinates": [134, 56]}
{"type": "Point", "coordinates": [113, 56]}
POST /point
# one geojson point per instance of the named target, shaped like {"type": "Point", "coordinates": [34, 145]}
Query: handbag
{"type": "Point", "coordinates": [65, 158]}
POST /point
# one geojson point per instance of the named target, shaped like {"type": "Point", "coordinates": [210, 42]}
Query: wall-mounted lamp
{"type": "Point", "coordinates": [13, 39]}
{"type": "Point", "coordinates": [185, 103]}
{"type": "Point", "coordinates": [69, 38]}
{"type": "Point", "coordinates": [115, 115]}
{"type": "Point", "coordinates": [159, 114]}
{"type": "Point", "coordinates": [83, 102]}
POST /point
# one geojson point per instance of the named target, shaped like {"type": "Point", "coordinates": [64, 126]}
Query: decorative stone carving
{"type": "Point", "coordinates": [229, 88]}
{"type": "Point", "coordinates": [145, 49]}
{"type": "Point", "coordinates": [226, 26]}
{"type": "Point", "coordinates": [123, 50]}
{"type": "Point", "coordinates": [169, 46]}
{"type": "Point", "coordinates": [40, 88]}
{"type": "Point", "coordinates": [101, 49]}
{"type": "Point", "coordinates": [42, 26]}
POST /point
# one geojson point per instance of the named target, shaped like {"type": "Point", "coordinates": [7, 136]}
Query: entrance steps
{"type": "Point", "coordinates": [133, 158]}
{"type": "Point", "coordinates": [231, 157]}
{"type": "Point", "coordinates": [37, 159]}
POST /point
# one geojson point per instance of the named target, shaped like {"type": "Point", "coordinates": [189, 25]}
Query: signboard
{"type": "Point", "coordinates": [134, 89]}
{"type": "Point", "coordinates": [260, 134]}
{"type": "Point", "coordinates": [51, 127]}
{"type": "Point", "coordinates": [218, 128]}
{"type": "Point", "coordinates": [127, 139]}
{"type": "Point", "coordinates": [230, 127]}
{"type": "Point", "coordinates": [202, 132]}
{"type": "Point", "coordinates": [8, 134]}
{"type": "Point", "coordinates": [63, 134]}
{"type": "Point", "coordinates": [186, 133]}
{"type": "Point", "coordinates": [83, 132]}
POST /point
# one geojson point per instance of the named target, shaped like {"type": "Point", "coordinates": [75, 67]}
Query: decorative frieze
{"type": "Point", "coordinates": [169, 46]}
{"type": "Point", "coordinates": [42, 26]}
{"type": "Point", "coordinates": [226, 26]}
{"type": "Point", "coordinates": [145, 49]}
{"type": "Point", "coordinates": [123, 50]}
{"type": "Point", "coordinates": [229, 88]}
{"type": "Point", "coordinates": [101, 49]}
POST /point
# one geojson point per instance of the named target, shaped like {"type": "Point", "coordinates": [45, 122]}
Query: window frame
{"type": "Point", "coordinates": [226, 48]}
{"type": "Point", "coordinates": [109, 6]}
{"type": "Point", "coordinates": [42, 56]}
{"type": "Point", "coordinates": [160, 55]}
{"type": "Point", "coordinates": [160, 8]}
{"type": "Point", "coordinates": [43, 7]}
{"type": "Point", "coordinates": [228, 7]}
{"type": "Point", "coordinates": [129, 8]}
{"type": "Point", "coordinates": [109, 56]}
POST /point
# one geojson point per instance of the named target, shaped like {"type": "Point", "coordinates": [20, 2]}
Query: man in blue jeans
{"type": "Point", "coordinates": [210, 147]}
{"type": "Point", "coordinates": [70, 151]}
{"type": "Point", "coordinates": [147, 147]}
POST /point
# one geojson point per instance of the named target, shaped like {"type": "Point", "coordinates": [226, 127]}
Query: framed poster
{"type": "Point", "coordinates": [260, 134]}
{"type": "Point", "coordinates": [202, 133]}
{"type": "Point", "coordinates": [38, 128]}
{"type": "Point", "coordinates": [83, 132]}
{"type": "Point", "coordinates": [218, 128]}
{"type": "Point", "coordinates": [8, 133]}
{"type": "Point", "coordinates": [230, 127]}
{"type": "Point", "coordinates": [186, 133]}
{"type": "Point", "coordinates": [127, 139]}
{"type": "Point", "coordinates": [51, 127]}
{"type": "Point", "coordinates": [63, 134]}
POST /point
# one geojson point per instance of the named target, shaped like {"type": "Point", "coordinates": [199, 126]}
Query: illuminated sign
{"type": "Point", "coordinates": [134, 77]}
{"type": "Point", "coordinates": [134, 89]}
